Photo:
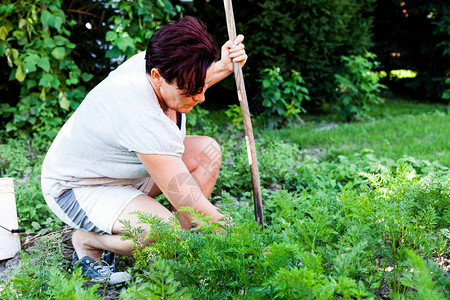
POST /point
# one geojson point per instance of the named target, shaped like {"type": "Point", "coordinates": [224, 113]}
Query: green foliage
{"type": "Point", "coordinates": [358, 87]}
{"type": "Point", "coordinates": [41, 276]}
{"type": "Point", "coordinates": [37, 40]}
{"type": "Point", "coordinates": [234, 113]}
{"type": "Point", "coordinates": [282, 97]}
{"type": "Point", "coordinates": [199, 122]}
{"type": "Point", "coordinates": [135, 23]}
{"type": "Point", "coordinates": [446, 93]}
{"type": "Point", "coordinates": [310, 36]}
{"type": "Point", "coordinates": [419, 280]}
{"type": "Point", "coordinates": [336, 226]}
{"type": "Point", "coordinates": [19, 160]}
{"type": "Point", "coordinates": [159, 283]}
{"type": "Point", "coordinates": [321, 240]}
{"type": "Point", "coordinates": [306, 284]}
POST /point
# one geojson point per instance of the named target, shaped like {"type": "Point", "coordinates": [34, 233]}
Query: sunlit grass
{"type": "Point", "coordinates": [399, 129]}
{"type": "Point", "coordinates": [403, 73]}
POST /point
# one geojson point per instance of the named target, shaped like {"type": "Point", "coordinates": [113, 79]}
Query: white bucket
{"type": "Point", "coordinates": [9, 242]}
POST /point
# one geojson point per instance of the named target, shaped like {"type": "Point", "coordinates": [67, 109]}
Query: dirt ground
{"type": "Point", "coordinates": [109, 292]}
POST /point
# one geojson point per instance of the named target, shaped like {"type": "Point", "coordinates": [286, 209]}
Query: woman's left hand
{"type": "Point", "coordinates": [233, 52]}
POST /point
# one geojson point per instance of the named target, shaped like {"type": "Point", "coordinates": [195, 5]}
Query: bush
{"type": "Point", "coordinates": [282, 98]}
{"type": "Point", "coordinates": [49, 59]}
{"type": "Point", "coordinates": [358, 87]}
{"type": "Point", "coordinates": [310, 36]}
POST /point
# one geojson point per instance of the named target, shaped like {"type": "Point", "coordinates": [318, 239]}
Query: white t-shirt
{"type": "Point", "coordinates": [97, 145]}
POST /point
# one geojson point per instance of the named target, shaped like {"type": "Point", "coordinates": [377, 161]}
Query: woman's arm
{"type": "Point", "coordinates": [231, 52]}
{"type": "Point", "coordinates": [178, 185]}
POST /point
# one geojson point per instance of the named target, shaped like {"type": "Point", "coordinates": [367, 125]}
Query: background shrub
{"type": "Point", "coordinates": [309, 36]}
{"type": "Point", "coordinates": [282, 98]}
{"type": "Point", "coordinates": [51, 50]}
{"type": "Point", "coordinates": [358, 86]}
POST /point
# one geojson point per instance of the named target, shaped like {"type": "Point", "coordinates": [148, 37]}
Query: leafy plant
{"type": "Point", "coordinates": [49, 60]}
{"type": "Point", "coordinates": [358, 86]}
{"type": "Point", "coordinates": [41, 275]}
{"type": "Point", "coordinates": [160, 283]}
{"type": "Point", "coordinates": [35, 39]}
{"type": "Point", "coordinates": [19, 160]}
{"type": "Point", "coordinates": [135, 23]}
{"type": "Point", "coordinates": [337, 225]}
{"type": "Point", "coordinates": [309, 36]}
{"type": "Point", "coordinates": [419, 280]}
{"type": "Point", "coordinates": [234, 113]}
{"type": "Point", "coordinates": [446, 93]}
{"type": "Point", "coordinates": [282, 97]}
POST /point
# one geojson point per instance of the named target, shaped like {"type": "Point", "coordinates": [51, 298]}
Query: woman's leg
{"type": "Point", "coordinates": [202, 157]}
{"type": "Point", "coordinates": [93, 244]}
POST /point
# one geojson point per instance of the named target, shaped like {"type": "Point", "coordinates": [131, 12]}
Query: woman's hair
{"type": "Point", "coordinates": [183, 51]}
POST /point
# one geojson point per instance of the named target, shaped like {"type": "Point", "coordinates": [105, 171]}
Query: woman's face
{"type": "Point", "coordinates": [172, 97]}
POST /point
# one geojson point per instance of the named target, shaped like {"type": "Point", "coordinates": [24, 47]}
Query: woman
{"type": "Point", "coordinates": [126, 144]}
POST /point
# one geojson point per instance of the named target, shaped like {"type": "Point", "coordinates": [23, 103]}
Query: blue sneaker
{"type": "Point", "coordinates": [109, 260]}
{"type": "Point", "coordinates": [98, 272]}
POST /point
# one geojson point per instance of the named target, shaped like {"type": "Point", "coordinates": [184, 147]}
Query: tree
{"type": "Point", "coordinates": [414, 35]}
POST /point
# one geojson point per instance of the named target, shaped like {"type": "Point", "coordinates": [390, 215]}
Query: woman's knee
{"type": "Point", "coordinates": [202, 151]}
{"type": "Point", "coordinates": [142, 204]}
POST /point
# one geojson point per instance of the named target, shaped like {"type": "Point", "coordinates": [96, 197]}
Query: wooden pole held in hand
{"type": "Point", "coordinates": [249, 139]}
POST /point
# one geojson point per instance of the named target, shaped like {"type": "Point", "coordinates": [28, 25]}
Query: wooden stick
{"type": "Point", "coordinates": [242, 95]}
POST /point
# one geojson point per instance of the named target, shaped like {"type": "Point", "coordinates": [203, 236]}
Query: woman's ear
{"type": "Point", "coordinates": [156, 77]}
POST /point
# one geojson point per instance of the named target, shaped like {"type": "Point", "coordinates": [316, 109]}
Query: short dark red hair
{"type": "Point", "coordinates": [183, 51]}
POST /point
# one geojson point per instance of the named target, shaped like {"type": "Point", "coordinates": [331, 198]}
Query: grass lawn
{"type": "Point", "coordinates": [396, 129]}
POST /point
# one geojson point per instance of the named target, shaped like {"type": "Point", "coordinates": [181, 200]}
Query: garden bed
{"type": "Point", "coordinates": [341, 221]}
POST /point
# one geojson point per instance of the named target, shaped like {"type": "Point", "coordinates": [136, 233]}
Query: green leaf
{"type": "Point", "coordinates": [59, 20]}
{"type": "Point", "coordinates": [86, 77]}
{"type": "Point", "coordinates": [111, 36]}
{"type": "Point", "coordinates": [59, 53]}
{"type": "Point", "coordinates": [31, 61]}
{"type": "Point", "coordinates": [266, 83]}
{"type": "Point", "coordinates": [60, 40]}
{"type": "Point", "coordinates": [44, 63]}
{"type": "Point", "coordinates": [70, 45]}
{"type": "Point", "coordinates": [13, 56]}
{"type": "Point", "coordinates": [124, 42]}
{"type": "Point", "coordinates": [31, 83]}
{"type": "Point", "coordinates": [63, 101]}
{"type": "Point", "coordinates": [3, 33]}
{"type": "Point", "coordinates": [42, 95]}
{"type": "Point", "coordinates": [49, 80]}
{"type": "Point", "coordinates": [113, 53]}
{"type": "Point", "coordinates": [22, 23]}
{"type": "Point", "coordinates": [35, 225]}
{"type": "Point", "coordinates": [20, 75]}
{"type": "Point", "coordinates": [47, 19]}
{"type": "Point", "coordinates": [21, 37]}
{"type": "Point", "coordinates": [2, 48]}
{"type": "Point", "coordinates": [49, 43]}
